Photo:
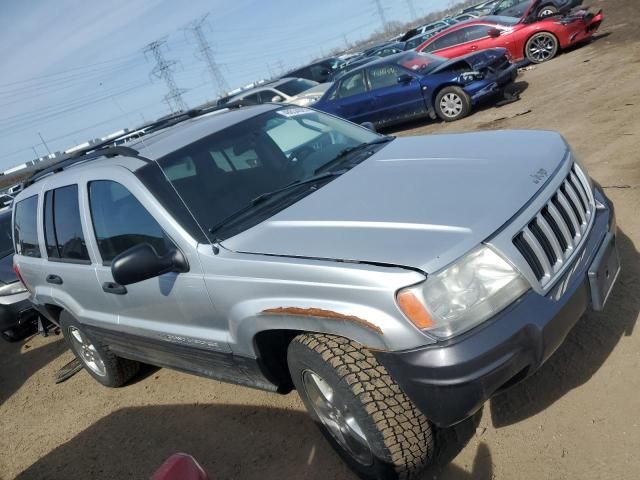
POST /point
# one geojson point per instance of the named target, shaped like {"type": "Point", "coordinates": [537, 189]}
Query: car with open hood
{"type": "Point", "coordinates": [395, 283]}
{"type": "Point", "coordinates": [529, 37]}
{"type": "Point", "coordinates": [410, 85]}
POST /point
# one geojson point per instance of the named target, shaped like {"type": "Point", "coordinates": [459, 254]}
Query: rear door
{"type": "Point", "coordinates": [69, 268]}
{"type": "Point", "coordinates": [353, 99]}
{"type": "Point", "coordinates": [394, 101]}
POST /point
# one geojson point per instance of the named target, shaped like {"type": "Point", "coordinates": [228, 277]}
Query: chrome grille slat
{"type": "Point", "coordinates": [581, 192]}
{"type": "Point", "coordinates": [530, 238]}
{"type": "Point", "coordinates": [566, 234]}
{"type": "Point", "coordinates": [572, 216]}
{"type": "Point", "coordinates": [573, 195]}
{"type": "Point", "coordinates": [551, 238]}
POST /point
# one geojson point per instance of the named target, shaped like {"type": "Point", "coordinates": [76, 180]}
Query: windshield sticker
{"type": "Point", "coordinates": [293, 112]}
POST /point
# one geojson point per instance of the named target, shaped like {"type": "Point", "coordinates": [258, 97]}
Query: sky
{"type": "Point", "coordinates": [73, 70]}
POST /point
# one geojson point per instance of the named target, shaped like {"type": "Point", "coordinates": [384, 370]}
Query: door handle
{"type": "Point", "coordinates": [114, 288]}
{"type": "Point", "coordinates": [55, 279]}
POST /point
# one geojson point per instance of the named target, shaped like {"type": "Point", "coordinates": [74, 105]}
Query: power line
{"type": "Point", "coordinates": [206, 53]}
{"type": "Point", "coordinates": [381, 14]}
{"type": "Point", "coordinates": [164, 71]}
{"type": "Point", "coordinates": [412, 10]}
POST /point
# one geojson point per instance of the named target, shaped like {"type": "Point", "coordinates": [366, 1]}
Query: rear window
{"type": "Point", "coordinates": [294, 87]}
{"type": "Point", "coordinates": [62, 226]}
{"type": "Point", "coordinates": [26, 227]}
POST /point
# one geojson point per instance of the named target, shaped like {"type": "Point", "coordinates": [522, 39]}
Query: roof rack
{"type": "Point", "coordinates": [108, 150]}
{"type": "Point", "coordinates": [79, 157]}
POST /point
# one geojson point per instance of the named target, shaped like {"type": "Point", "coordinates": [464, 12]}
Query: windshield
{"type": "Point", "coordinates": [296, 86]}
{"type": "Point", "coordinates": [420, 62]}
{"type": "Point", "coordinates": [224, 172]}
{"type": "Point", "coordinates": [6, 242]}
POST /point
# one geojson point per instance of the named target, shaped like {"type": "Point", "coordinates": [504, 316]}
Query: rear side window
{"type": "Point", "coordinates": [26, 227]}
{"type": "Point", "coordinates": [121, 222]}
{"type": "Point", "coordinates": [62, 227]}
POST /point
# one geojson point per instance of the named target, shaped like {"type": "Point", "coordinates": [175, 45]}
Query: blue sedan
{"type": "Point", "coordinates": [412, 85]}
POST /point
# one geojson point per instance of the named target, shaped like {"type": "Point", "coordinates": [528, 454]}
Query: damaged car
{"type": "Point", "coordinates": [396, 283]}
{"type": "Point", "coordinates": [412, 85]}
{"type": "Point", "coordinates": [527, 38]}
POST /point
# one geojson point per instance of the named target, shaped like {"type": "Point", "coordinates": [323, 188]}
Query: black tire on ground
{"type": "Point", "coordinates": [113, 371]}
{"type": "Point", "coordinates": [452, 103]}
{"type": "Point", "coordinates": [541, 47]}
{"type": "Point", "coordinates": [395, 440]}
{"type": "Point", "coordinates": [546, 11]}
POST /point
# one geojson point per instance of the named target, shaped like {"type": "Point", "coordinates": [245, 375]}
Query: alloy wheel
{"type": "Point", "coordinates": [451, 105]}
{"type": "Point", "coordinates": [87, 352]}
{"type": "Point", "coordinates": [542, 48]}
{"type": "Point", "coordinates": [337, 417]}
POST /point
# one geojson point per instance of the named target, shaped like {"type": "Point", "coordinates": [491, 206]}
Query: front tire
{"type": "Point", "coordinates": [541, 47]}
{"type": "Point", "coordinates": [452, 103]}
{"type": "Point", "coordinates": [96, 358]}
{"type": "Point", "coordinates": [358, 407]}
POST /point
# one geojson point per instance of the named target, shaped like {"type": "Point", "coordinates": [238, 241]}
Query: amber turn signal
{"type": "Point", "coordinates": [413, 309]}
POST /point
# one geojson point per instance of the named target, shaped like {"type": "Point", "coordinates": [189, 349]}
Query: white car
{"type": "Point", "coordinates": [296, 91]}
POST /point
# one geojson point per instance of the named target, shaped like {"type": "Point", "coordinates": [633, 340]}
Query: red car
{"type": "Point", "coordinates": [536, 39]}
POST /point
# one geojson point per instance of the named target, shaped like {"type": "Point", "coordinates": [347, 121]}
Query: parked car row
{"type": "Point", "coordinates": [440, 70]}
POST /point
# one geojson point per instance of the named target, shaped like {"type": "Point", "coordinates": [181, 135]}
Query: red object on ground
{"type": "Point", "coordinates": [180, 466]}
{"type": "Point", "coordinates": [474, 35]}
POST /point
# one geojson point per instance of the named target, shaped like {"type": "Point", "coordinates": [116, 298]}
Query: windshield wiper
{"type": "Point", "coordinates": [343, 154]}
{"type": "Point", "coordinates": [267, 195]}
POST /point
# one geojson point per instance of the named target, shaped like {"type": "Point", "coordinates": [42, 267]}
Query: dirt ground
{"type": "Point", "coordinates": [578, 417]}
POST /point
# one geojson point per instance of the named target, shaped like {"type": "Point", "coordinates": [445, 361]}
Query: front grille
{"type": "Point", "coordinates": [551, 238]}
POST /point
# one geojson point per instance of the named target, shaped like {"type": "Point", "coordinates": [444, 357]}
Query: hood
{"type": "Point", "coordinates": [310, 96]}
{"type": "Point", "coordinates": [7, 275]}
{"type": "Point", "coordinates": [477, 60]}
{"type": "Point", "coordinates": [419, 202]}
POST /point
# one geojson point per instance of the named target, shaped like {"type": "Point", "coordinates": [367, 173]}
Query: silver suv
{"type": "Point", "coordinates": [395, 283]}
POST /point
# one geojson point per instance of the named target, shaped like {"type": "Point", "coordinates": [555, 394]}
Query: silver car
{"type": "Point", "coordinates": [395, 283]}
{"type": "Point", "coordinates": [296, 91]}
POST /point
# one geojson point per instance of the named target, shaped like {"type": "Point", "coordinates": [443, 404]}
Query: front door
{"type": "Point", "coordinates": [397, 95]}
{"type": "Point", "coordinates": [166, 317]}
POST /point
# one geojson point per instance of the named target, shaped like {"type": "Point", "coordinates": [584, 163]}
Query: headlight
{"type": "Point", "coordinates": [463, 295]}
{"type": "Point", "coordinates": [469, 77]}
{"type": "Point", "coordinates": [305, 101]}
{"type": "Point", "coordinates": [12, 289]}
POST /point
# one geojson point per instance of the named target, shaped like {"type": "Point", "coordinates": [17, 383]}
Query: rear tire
{"type": "Point", "coordinates": [358, 407]}
{"type": "Point", "coordinates": [547, 11]}
{"type": "Point", "coordinates": [452, 103]}
{"type": "Point", "coordinates": [541, 47]}
{"type": "Point", "coordinates": [96, 358]}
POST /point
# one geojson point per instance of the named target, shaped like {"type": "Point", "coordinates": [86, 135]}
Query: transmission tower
{"type": "Point", "coordinates": [412, 10]}
{"type": "Point", "coordinates": [164, 71]}
{"type": "Point", "coordinates": [206, 53]}
{"type": "Point", "coordinates": [380, 11]}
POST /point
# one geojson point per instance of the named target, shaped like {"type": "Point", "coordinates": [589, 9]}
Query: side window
{"type": "Point", "coordinates": [383, 76]}
{"type": "Point", "coordinates": [254, 97]}
{"type": "Point", "coordinates": [446, 41]}
{"type": "Point", "coordinates": [352, 85]}
{"type": "Point", "coordinates": [62, 227]}
{"type": "Point", "coordinates": [267, 95]}
{"type": "Point", "coordinates": [474, 32]}
{"type": "Point", "coordinates": [121, 222]}
{"type": "Point", "coordinates": [25, 233]}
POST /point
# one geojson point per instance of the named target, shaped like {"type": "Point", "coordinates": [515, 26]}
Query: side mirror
{"type": "Point", "coordinates": [404, 79]}
{"type": "Point", "coordinates": [142, 262]}
{"type": "Point", "coordinates": [368, 125]}
{"type": "Point", "coordinates": [494, 33]}
{"type": "Point", "coordinates": [277, 99]}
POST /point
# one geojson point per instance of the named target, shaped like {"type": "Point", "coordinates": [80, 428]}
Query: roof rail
{"type": "Point", "coordinates": [79, 157]}
{"type": "Point", "coordinates": [106, 148]}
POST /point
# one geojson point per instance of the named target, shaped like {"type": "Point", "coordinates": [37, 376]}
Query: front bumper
{"type": "Point", "coordinates": [15, 310]}
{"type": "Point", "coordinates": [450, 381]}
{"type": "Point", "coordinates": [502, 80]}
